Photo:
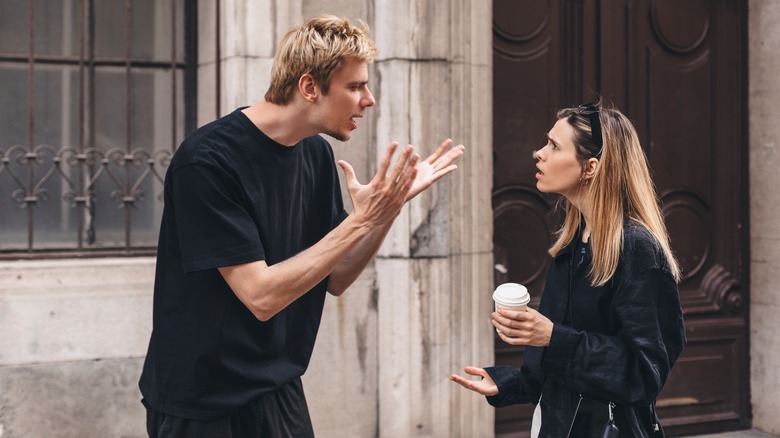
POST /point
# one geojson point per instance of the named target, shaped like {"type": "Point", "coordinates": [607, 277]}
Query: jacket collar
{"type": "Point", "coordinates": [568, 249]}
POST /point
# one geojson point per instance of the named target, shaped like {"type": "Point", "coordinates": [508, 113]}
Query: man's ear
{"type": "Point", "coordinates": [308, 87]}
{"type": "Point", "coordinates": [591, 167]}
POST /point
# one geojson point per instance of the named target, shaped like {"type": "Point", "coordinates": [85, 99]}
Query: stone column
{"type": "Point", "coordinates": [764, 95]}
{"type": "Point", "coordinates": [421, 312]}
{"type": "Point", "coordinates": [249, 32]}
{"type": "Point", "coordinates": [434, 273]}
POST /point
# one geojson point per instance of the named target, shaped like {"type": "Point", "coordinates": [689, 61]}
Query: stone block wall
{"type": "Point", "coordinates": [73, 334]}
{"type": "Point", "coordinates": [764, 106]}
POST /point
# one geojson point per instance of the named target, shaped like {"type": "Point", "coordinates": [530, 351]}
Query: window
{"type": "Point", "coordinates": [95, 97]}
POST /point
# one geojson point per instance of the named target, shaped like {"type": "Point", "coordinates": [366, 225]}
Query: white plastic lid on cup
{"type": "Point", "coordinates": [511, 295]}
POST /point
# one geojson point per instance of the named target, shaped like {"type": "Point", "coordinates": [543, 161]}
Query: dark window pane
{"type": "Point", "coordinates": [110, 28]}
{"type": "Point", "coordinates": [110, 108]}
{"type": "Point", "coordinates": [13, 105]}
{"type": "Point", "coordinates": [90, 172]}
{"type": "Point", "coordinates": [14, 26]}
{"type": "Point", "coordinates": [56, 133]}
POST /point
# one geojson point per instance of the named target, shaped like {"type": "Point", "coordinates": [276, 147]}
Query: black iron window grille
{"type": "Point", "coordinates": [95, 95]}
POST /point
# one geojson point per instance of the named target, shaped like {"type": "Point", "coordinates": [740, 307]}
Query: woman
{"type": "Point", "coordinates": [609, 325]}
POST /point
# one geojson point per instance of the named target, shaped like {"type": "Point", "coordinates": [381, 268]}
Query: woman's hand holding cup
{"type": "Point", "coordinates": [523, 327]}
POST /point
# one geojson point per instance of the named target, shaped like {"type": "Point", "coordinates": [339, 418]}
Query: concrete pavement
{"type": "Point", "coordinates": [752, 433]}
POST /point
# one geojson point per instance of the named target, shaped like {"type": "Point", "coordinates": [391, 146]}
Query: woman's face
{"type": "Point", "coordinates": [559, 168]}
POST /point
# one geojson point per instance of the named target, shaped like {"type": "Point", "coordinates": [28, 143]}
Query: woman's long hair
{"type": "Point", "coordinates": [620, 189]}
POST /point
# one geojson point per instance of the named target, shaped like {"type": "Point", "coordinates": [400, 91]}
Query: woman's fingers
{"type": "Point", "coordinates": [523, 327]}
{"type": "Point", "coordinates": [474, 371]}
{"type": "Point", "coordinates": [484, 386]}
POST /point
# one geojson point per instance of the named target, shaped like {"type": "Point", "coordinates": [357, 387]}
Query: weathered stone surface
{"type": "Point", "coordinates": [390, 343]}
{"type": "Point", "coordinates": [410, 29]}
{"type": "Point", "coordinates": [764, 43]}
{"type": "Point", "coordinates": [243, 32]}
{"type": "Point", "coordinates": [95, 398]}
{"type": "Point", "coordinates": [764, 357]}
{"type": "Point", "coordinates": [432, 323]}
{"type": "Point", "coordinates": [62, 310]}
{"type": "Point", "coordinates": [341, 382]}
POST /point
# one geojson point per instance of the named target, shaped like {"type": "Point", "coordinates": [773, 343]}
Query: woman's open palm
{"type": "Point", "coordinates": [485, 386]}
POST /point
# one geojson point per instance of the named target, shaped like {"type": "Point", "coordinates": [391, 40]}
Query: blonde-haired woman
{"type": "Point", "coordinates": [609, 326]}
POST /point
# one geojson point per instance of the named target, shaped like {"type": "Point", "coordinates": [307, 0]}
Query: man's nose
{"type": "Point", "coordinates": [368, 99]}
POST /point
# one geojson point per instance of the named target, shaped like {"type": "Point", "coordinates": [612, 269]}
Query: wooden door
{"type": "Point", "coordinates": [677, 68]}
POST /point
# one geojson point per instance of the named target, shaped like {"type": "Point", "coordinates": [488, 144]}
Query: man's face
{"type": "Point", "coordinates": [347, 99]}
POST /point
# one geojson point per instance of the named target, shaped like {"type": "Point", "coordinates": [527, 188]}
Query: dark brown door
{"type": "Point", "coordinates": [677, 69]}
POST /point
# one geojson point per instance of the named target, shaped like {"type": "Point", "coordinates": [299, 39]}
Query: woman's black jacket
{"type": "Point", "coordinates": [613, 343]}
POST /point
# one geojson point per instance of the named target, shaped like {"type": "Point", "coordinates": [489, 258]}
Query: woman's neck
{"type": "Point", "coordinates": [584, 207]}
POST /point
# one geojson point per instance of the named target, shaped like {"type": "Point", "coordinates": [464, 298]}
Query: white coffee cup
{"type": "Point", "coordinates": [511, 296]}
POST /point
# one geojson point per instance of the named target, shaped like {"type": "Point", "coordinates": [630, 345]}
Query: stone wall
{"type": "Point", "coordinates": [764, 106]}
{"type": "Point", "coordinates": [73, 333]}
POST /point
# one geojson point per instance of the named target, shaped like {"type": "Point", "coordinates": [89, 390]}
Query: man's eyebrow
{"type": "Point", "coordinates": [356, 83]}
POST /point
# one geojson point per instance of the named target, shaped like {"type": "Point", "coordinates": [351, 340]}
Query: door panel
{"type": "Point", "coordinates": [526, 81]}
{"type": "Point", "coordinates": [686, 95]}
{"type": "Point", "coordinates": [676, 68]}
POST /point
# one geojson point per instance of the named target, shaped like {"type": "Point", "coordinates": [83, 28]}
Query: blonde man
{"type": "Point", "coordinates": [253, 235]}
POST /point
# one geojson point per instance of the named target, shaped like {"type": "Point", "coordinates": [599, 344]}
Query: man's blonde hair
{"type": "Point", "coordinates": [319, 47]}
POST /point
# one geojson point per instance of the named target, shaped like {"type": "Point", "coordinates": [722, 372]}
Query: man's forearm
{"type": "Point", "coordinates": [265, 290]}
{"type": "Point", "coordinates": [350, 267]}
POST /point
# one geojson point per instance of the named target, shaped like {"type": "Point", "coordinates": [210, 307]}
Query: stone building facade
{"type": "Point", "coordinates": [73, 332]}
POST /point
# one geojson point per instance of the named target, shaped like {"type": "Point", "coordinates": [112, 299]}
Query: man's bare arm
{"type": "Point", "coordinates": [433, 168]}
{"type": "Point", "coordinates": [265, 290]}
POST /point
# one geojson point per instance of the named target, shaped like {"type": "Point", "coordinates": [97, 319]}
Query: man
{"type": "Point", "coordinates": [253, 235]}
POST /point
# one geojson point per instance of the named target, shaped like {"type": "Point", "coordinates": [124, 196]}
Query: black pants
{"type": "Point", "coordinates": [279, 414]}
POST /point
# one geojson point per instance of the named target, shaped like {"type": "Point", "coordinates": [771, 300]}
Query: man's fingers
{"type": "Point", "coordinates": [448, 158]}
{"type": "Point", "coordinates": [386, 160]}
{"type": "Point", "coordinates": [402, 163]}
{"type": "Point", "coordinates": [439, 150]}
{"type": "Point", "coordinates": [349, 172]}
{"type": "Point", "coordinates": [439, 174]}
{"type": "Point", "coordinates": [410, 172]}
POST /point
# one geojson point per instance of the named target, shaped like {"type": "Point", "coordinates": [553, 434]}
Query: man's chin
{"type": "Point", "coordinates": [340, 136]}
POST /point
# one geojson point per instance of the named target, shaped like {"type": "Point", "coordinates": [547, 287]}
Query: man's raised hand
{"type": "Point", "coordinates": [433, 168]}
{"type": "Point", "coordinates": [381, 199]}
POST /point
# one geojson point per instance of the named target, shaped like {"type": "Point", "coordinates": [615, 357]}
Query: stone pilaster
{"type": "Point", "coordinates": [435, 270]}
{"type": "Point", "coordinates": [764, 95]}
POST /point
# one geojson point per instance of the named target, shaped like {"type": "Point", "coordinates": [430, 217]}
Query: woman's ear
{"type": "Point", "coordinates": [590, 168]}
{"type": "Point", "coordinates": [308, 87]}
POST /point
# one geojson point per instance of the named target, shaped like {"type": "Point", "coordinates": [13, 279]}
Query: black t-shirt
{"type": "Point", "coordinates": [233, 196]}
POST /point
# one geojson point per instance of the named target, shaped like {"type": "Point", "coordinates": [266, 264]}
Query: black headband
{"type": "Point", "coordinates": [592, 111]}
